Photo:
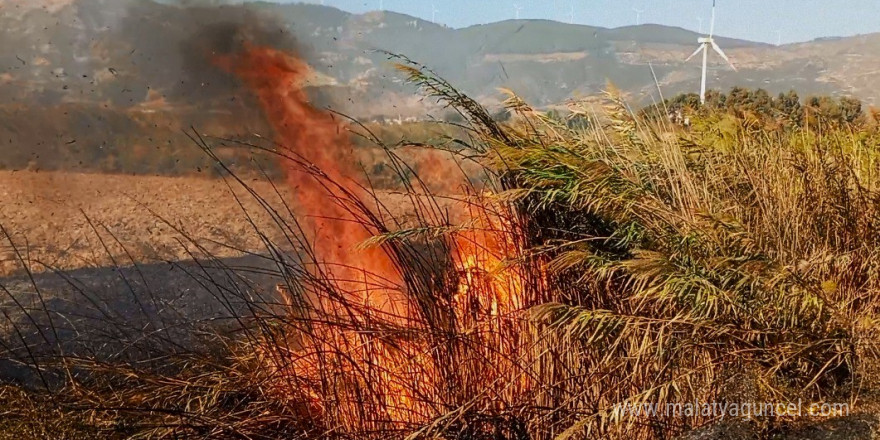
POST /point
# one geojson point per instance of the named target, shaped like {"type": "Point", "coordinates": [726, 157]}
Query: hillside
{"type": "Point", "coordinates": [81, 80]}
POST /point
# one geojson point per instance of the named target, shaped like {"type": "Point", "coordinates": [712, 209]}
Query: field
{"type": "Point", "coordinates": [56, 218]}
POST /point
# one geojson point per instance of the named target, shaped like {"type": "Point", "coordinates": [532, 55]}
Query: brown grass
{"type": "Point", "coordinates": [639, 264]}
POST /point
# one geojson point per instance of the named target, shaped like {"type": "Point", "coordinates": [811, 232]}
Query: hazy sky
{"type": "Point", "coordinates": [756, 20]}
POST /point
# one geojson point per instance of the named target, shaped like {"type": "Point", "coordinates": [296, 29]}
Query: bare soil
{"type": "Point", "coordinates": [59, 220]}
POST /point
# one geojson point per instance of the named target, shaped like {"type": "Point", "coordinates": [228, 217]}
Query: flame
{"type": "Point", "coordinates": [488, 294]}
{"type": "Point", "coordinates": [316, 138]}
{"type": "Point", "coordinates": [481, 255]}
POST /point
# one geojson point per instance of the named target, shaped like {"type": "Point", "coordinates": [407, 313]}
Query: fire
{"type": "Point", "coordinates": [401, 372]}
{"type": "Point", "coordinates": [317, 139]}
{"type": "Point", "coordinates": [481, 254]}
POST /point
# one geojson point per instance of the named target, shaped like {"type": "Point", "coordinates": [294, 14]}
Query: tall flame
{"type": "Point", "coordinates": [317, 139]}
{"type": "Point", "coordinates": [409, 371]}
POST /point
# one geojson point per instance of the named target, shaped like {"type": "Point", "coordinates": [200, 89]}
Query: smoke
{"type": "Point", "coordinates": [171, 48]}
{"type": "Point", "coordinates": [229, 55]}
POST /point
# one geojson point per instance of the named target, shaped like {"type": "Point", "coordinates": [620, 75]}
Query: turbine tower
{"type": "Point", "coordinates": [778, 37]}
{"type": "Point", "coordinates": [434, 12]}
{"type": "Point", "coordinates": [571, 15]}
{"type": "Point", "coordinates": [639, 13]}
{"type": "Point", "coordinates": [518, 8]}
{"type": "Point", "coordinates": [705, 43]}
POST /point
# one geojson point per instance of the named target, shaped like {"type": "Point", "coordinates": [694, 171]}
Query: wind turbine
{"type": "Point", "coordinates": [638, 15]}
{"type": "Point", "coordinates": [518, 8]}
{"type": "Point", "coordinates": [571, 15]}
{"type": "Point", "coordinates": [705, 43]}
{"type": "Point", "coordinates": [434, 12]}
{"type": "Point", "coordinates": [778, 37]}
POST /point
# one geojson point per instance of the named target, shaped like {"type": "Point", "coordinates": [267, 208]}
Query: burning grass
{"type": "Point", "coordinates": [628, 262]}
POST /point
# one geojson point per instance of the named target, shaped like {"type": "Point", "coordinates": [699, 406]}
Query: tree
{"type": "Point", "coordinates": [715, 99]}
{"type": "Point", "coordinates": [850, 110]}
{"type": "Point", "coordinates": [738, 99]}
{"type": "Point", "coordinates": [760, 103]}
{"type": "Point", "coordinates": [788, 108]}
{"type": "Point", "coordinates": [785, 111]}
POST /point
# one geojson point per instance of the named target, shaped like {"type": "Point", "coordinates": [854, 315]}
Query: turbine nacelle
{"type": "Point", "coordinates": [705, 40]}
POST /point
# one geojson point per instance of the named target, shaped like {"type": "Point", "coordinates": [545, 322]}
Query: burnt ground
{"type": "Point", "coordinates": [130, 313]}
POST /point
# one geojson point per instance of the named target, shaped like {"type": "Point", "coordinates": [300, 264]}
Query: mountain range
{"type": "Point", "coordinates": [70, 67]}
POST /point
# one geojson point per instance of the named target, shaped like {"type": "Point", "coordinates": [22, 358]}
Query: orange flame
{"type": "Point", "coordinates": [315, 137]}
{"type": "Point", "coordinates": [488, 295]}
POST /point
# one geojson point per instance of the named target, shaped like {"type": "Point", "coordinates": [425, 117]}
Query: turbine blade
{"type": "Point", "coordinates": [695, 53]}
{"type": "Point", "coordinates": [723, 55]}
{"type": "Point", "coordinates": [712, 27]}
